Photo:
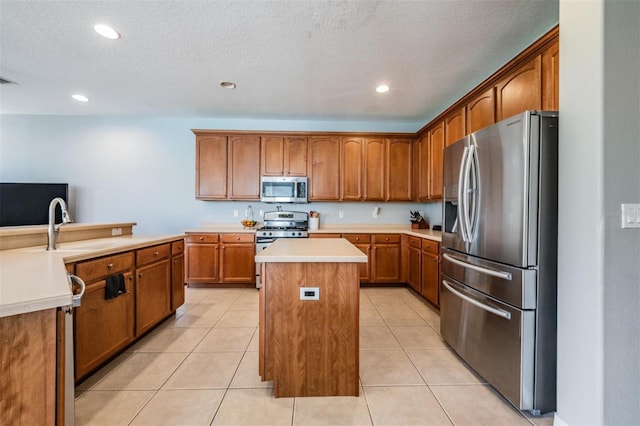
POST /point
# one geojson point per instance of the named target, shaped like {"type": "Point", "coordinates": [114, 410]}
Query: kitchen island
{"type": "Point", "coordinates": [309, 317]}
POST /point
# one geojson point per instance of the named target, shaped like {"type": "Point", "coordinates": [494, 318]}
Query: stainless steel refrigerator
{"type": "Point", "coordinates": [499, 250]}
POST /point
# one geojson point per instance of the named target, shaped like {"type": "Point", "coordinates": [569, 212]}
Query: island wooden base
{"type": "Point", "coordinates": [310, 347]}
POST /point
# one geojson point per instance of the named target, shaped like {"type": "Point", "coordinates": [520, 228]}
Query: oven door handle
{"type": "Point", "coordinates": [498, 312]}
{"type": "Point", "coordinates": [499, 274]}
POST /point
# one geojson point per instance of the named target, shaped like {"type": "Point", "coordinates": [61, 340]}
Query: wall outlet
{"type": "Point", "coordinates": [630, 215]}
{"type": "Point", "coordinates": [235, 213]}
{"type": "Point", "coordinates": [340, 214]}
{"type": "Point", "coordinates": [116, 231]}
{"type": "Point", "coordinates": [376, 212]}
{"type": "Point", "coordinates": [309, 293]}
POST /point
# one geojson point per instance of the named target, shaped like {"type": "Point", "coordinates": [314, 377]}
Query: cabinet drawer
{"type": "Point", "coordinates": [415, 242]}
{"type": "Point", "coordinates": [431, 246]}
{"type": "Point", "coordinates": [177, 247]}
{"type": "Point", "coordinates": [386, 238]}
{"type": "Point", "coordinates": [103, 267]}
{"type": "Point", "coordinates": [153, 254]}
{"type": "Point", "coordinates": [202, 238]}
{"type": "Point", "coordinates": [357, 238]}
{"type": "Point", "coordinates": [237, 238]}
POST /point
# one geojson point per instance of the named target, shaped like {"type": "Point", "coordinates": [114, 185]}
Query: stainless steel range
{"type": "Point", "coordinates": [280, 224]}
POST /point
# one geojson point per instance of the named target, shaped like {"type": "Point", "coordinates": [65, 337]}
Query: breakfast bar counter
{"type": "Point", "coordinates": [309, 317]}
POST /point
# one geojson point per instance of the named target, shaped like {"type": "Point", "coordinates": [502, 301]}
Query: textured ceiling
{"type": "Point", "coordinates": [290, 59]}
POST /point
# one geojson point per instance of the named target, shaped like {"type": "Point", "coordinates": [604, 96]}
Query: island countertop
{"type": "Point", "coordinates": [307, 250]}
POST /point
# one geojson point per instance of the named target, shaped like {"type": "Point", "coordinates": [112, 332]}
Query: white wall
{"type": "Point", "coordinates": [599, 268]}
{"type": "Point", "coordinates": [143, 169]}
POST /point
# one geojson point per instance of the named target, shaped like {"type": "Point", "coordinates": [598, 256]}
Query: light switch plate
{"type": "Point", "coordinates": [630, 215]}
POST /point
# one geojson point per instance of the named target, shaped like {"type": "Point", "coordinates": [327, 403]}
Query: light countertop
{"type": "Point", "coordinates": [311, 250]}
{"type": "Point", "coordinates": [33, 279]}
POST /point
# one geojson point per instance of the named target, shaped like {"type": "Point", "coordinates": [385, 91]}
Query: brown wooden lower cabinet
{"type": "Point", "coordinates": [430, 288]}
{"type": "Point", "coordinates": [414, 264]}
{"type": "Point", "coordinates": [385, 258]}
{"type": "Point", "coordinates": [28, 368]}
{"type": "Point", "coordinates": [363, 242]}
{"type": "Point", "coordinates": [220, 258]}
{"type": "Point", "coordinates": [154, 281]}
{"type": "Point", "coordinates": [102, 327]}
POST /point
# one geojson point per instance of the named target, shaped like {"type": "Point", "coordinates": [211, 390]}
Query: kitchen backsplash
{"type": "Point", "coordinates": [330, 213]}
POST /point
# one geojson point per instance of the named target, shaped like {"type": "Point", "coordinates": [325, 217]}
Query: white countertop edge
{"type": "Point", "coordinates": [35, 305]}
{"type": "Point", "coordinates": [41, 274]}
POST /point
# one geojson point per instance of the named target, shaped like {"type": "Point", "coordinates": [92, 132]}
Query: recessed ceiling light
{"type": "Point", "coordinates": [80, 98]}
{"type": "Point", "coordinates": [227, 85]}
{"type": "Point", "coordinates": [106, 31]}
{"type": "Point", "coordinates": [383, 88]}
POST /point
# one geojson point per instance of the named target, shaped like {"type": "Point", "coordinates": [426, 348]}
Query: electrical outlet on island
{"type": "Point", "coordinates": [116, 231]}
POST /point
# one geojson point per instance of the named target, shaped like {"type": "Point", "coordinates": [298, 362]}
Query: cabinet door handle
{"type": "Point", "coordinates": [140, 275]}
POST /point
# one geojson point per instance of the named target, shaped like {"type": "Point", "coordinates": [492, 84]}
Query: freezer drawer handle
{"type": "Point", "coordinates": [498, 312]}
{"type": "Point", "coordinates": [499, 274]}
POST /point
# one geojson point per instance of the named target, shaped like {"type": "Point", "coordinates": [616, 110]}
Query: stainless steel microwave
{"type": "Point", "coordinates": [283, 189]}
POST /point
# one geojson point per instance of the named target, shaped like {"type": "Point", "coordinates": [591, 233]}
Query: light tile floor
{"type": "Point", "coordinates": [200, 367]}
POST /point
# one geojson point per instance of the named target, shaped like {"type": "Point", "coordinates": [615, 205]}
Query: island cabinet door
{"type": "Point", "coordinates": [102, 326]}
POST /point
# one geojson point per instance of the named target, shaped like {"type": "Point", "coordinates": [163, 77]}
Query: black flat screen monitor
{"type": "Point", "coordinates": [28, 203]}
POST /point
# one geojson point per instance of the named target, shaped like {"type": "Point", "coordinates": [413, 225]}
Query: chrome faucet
{"type": "Point", "coordinates": [52, 231]}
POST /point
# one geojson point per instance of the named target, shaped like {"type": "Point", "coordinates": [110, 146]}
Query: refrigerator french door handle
{"type": "Point", "coordinates": [499, 274]}
{"type": "Point", "coordinates": [466, 219]}
{"type": "Point", "coordinates": [474, 169]}
{"type": "Point", "coordinates": [498, 312]}
{"type": "Point", "coordinates": [461, 193]}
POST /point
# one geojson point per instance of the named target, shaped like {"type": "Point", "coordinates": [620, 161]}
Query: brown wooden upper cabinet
{"type": "Point", "coordinates": [422, 168]}
{"type": "Point", "coordinates": [244, 168]}
{"type": "Point", "coordinates": [283, 156]}
{"type": "Point", "coordinates": [481, 111]}
{"type": "Point", "coordinates": [227, 167]}
{"type": "Point", "coordinates": [324, 168]}
{"type": "Point", "coordinates": [399, 168]}
{"type": "Point", "coordinates": [375, 175]}
{"type": "Point", "coordinates": [211, 167]}
{"type": "Point", "coordinates": [550, 73]}
{"type": "Point", "coordinates": [519, 91]}
{"type": "Point", "coordinates": [454, 126]}
{"type": "Point", "coordinates": [436, 155]}
{"type": "Point", "coordinates": [352, 165]}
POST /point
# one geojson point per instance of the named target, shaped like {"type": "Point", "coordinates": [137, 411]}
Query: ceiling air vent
{"type": "Point", "coordinates": [5, 81]}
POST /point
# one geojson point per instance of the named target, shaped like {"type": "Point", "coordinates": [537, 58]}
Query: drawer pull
{"type": "Point", "coordinates": [201, 238]}
{"type": "Point", "coordinates": [237, 238]}
{"type": "Point", "coordinates": [109, 265]}
{"type": "Point", "coordinates": [155, 253]}
{"type": "Point", "coordinates": [357, 238]}
{"type": "Point", "coordinates": [386, 238]}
